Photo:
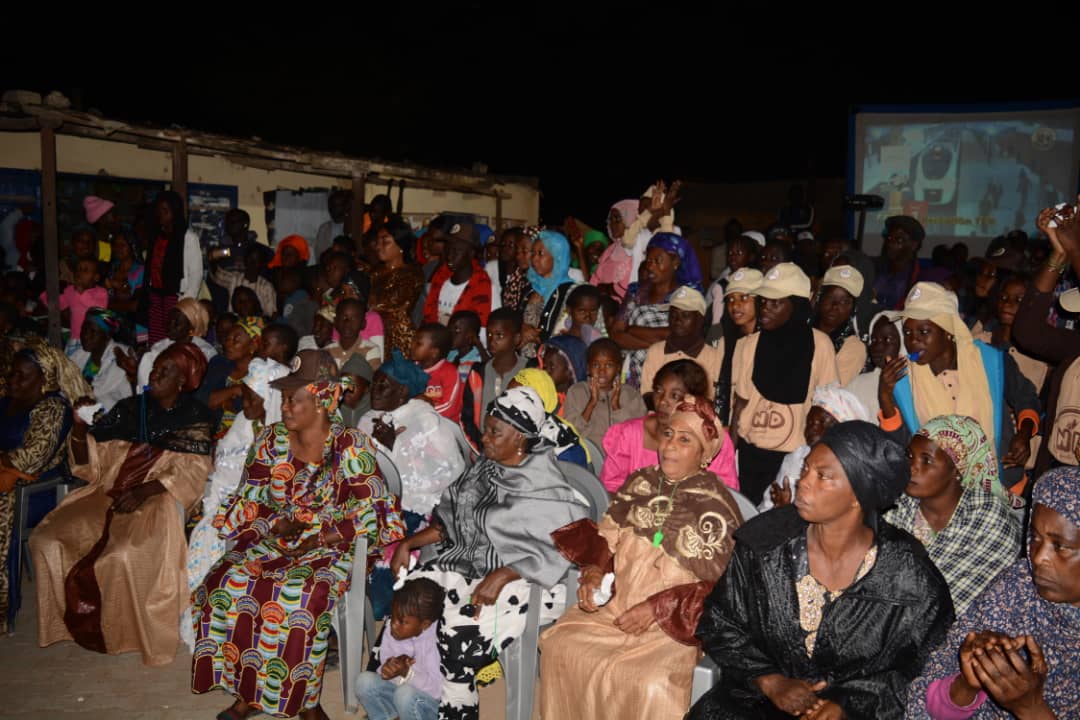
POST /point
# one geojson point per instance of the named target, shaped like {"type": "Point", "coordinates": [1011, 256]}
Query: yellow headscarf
{"type": "Point", "coordinates": [544, 386]}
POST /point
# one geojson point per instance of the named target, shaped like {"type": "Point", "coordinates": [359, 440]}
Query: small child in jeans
{"type": "Point", "coordinates": [408, 683]}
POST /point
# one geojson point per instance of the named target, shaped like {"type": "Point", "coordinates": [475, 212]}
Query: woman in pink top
{"type": "Point", "coordinates": [632, 445]}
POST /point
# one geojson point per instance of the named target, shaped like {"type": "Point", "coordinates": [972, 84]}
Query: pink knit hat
{"type": "Point", "coordinates": [95, 207]}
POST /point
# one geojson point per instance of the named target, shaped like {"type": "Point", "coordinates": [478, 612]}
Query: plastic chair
{"type": "Point", "coordinates": [520, 660]}
{"type": "Point", "coordinates": [353, 611]}
{"type": "Point", "coordinates": [596, 455]}
{"type": "Point", "coordinates": [20, 541]}
{"type": "Point", "coordinates": [746, 508]}
{"type": "Point", "coordinates": [467, 450]}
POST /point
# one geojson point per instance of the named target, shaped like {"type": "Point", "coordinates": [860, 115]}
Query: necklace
{"type": "Point", "coordinates": [662, 506]}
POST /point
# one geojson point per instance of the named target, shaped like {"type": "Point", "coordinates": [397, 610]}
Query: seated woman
{"type": "Point", "coordinates": [262, 615]}
{"type": "Point", "coordinates": [35, 419]}
{"type": "Point", "coordinates": [667, 538]}
{"type": "Point", "coordinates": [826, 610]}
{"type": "Point", "coordinates": [1013, 653]}
{"type": "Point", "coordinates": [567, 440]}
{"type": "Point", "coordinates": [949, 373]}
{"type": "Point", "coordinates": [886, 344]}
{"type": "Point", "coordinates": [422, 445]}
{"type": "Point", "coordinates": [840, 288]}
{"type": "Point", "coordinates": [496, 522]}
{"type": "Point", "coordinates": [632, 445]}
{"type": "Point", "coordinates": [188, 322]}
{"type": "Point", "coordinates": [261, 406]}
{"type": "Point", "coordinates": [110, 558]}
{"type": "Point", "coordinates": [551, 286]}
{"type": "Point", "coordinates": [955, 506]}
{"type": "Point", "coordinates": [95, 353]}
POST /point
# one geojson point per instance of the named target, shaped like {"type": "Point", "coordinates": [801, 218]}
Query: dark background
{"type": "Point", "coordinates": [595, 101]}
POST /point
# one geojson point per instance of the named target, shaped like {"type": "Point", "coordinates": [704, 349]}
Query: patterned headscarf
{"type": "Point", "coordinates": [538, 380]}
{"type": "Point", "coordinates": [196, 315]}
{"type": "Point", "coordinates": [44, 357]}
{"type": "Point", "coordinates": [963, 440]}
{"type": "Point", "coordinates": [522, 409]}
{"type": "Point", "coordinates": [840, 403]}
{"type": "Point", "coordinates": [190, 360]}
{"type": "Point", "coordinates": [559, 247]}
{"type": "Point", "coordinates": [689, 272]}
{"type": "Point", "coordinates": [328, 393]}
{"type": "Point", "coordinates": [262, 372]}
{"type": "Point", "coordinates": [107, 321]}
{"type": "Point", "coordinates": [1059, 490]}
{"type": "Point", "coordinates": [252, 325]}
{"type": "Point", "coordinates": [558, 431]}
{"type": "Point", "coordinates": [698, 416]}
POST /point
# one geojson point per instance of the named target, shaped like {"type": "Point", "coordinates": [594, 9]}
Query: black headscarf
{"type": "Point", "coordinates": [732, 335]}
{"type": "Point", "coordinates": [784, 356]}
{"type": "Point", "coordinates": [875, 464]}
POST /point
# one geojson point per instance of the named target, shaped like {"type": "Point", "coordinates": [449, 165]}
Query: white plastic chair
{"type": "Point", "coordinates": [519, 661]}
{"type": "Point", "coordinates": [353, 610]}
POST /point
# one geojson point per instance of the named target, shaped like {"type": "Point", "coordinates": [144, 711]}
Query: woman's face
{"type": "Point", "coordinates": [884, 343]}
{"type": "Point", "coordinates": [667, 394]}
{"type": "Point", "coordinates": [834, 308]}
{"type": "Point", "coordinates": [166, 379]}
{"type": "Point", "coordinates": [239, 346]}
{"type": "Point", "coordinates": [593, 252]}
{"type": "Point", "coordinates": [542, 260]}
{"type": "Point", "coordinates": [616, 225]}
{"type": "Point", "coordinates": [94, 340]}
{"type": "Point", "coordinates": [774, 313]}
{"type": "Point", "coordinates": [385, 248]}
{"type": "Point", "coordinates": [925, 337]}
{"type": "Point", "coordinates": [179, 328]}
{"type": "Point", "coordinates": [25, 381]}
{"type": "Point", "coordinates": [818, 422]}
{"type": "Point", "coordinates": [121, 249]}
{"type": "Point", "coordinates": [299, 409]}
{"type": "Point", "coordinates": [660, 267]}
{"type": "Point", "coordinates": [523, 252]}
{"type": "Point", "coordinates": [932, 471]}
{"type": "Point", "coordinates": [681, 453]}
{"type": "Point", "coordinates": [386, 393]}
{"type": "Point", "coordinates": [742, 308]}
{"type": "Point", "coordinates": [289, 256]}
{"type": "Point", "coordinates": [825, 493]}
{"type": "Point", "coordinates": [164, 214]}
{"type": "Point", "coordinates": [254, 408]}
{"type": "Point", "coordinates": [1009, 302]}
{"type": "Point", "coordinates": [1055, 556]}
{"type": "Point", "coordinates": [984, 279]}
{"type": "Point", "coordinates": [502, 443]}
{"type": "Point", "coordinates": [740, 254]}
{"type": "Point", "coordinates": [830, 251]}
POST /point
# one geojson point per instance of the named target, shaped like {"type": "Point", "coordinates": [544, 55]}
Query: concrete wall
{"type": "Point", "coordinates": [22, 150]}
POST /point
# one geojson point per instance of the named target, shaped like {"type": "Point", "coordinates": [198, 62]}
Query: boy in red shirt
{"type": "Point", "coordinates": [431, 345]}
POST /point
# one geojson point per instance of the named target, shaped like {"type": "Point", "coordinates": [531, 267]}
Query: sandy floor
{"type": "Point", "coordinates": [65, 680]}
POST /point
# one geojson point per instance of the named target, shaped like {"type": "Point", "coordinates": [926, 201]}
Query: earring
{"type": "Point", "coordinates": [704, 465]}
{"type": "Point", "coordinates": [952, 339]}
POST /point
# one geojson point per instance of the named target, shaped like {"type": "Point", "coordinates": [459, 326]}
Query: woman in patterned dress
{"type": "Point", "coordinates": [262, 616]}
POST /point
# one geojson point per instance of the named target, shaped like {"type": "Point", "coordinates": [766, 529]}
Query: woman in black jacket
{"type": "Point", "coordinates": [826, 611]}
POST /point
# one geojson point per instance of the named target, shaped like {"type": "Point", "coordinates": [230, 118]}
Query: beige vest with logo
{"type": "Point", "coordinates": [1066, 434]}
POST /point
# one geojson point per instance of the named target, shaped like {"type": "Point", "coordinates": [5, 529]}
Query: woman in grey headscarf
{"type": "Point", "coordinates": [495, 525]}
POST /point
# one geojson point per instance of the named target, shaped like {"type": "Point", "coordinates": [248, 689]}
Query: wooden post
{"type": "Point", "coordinates": [180, 170]}
{"type": "Point", "coordinates": [498, 212]}
{"type": "Point", "coordinates": [356, 215]}
{"type": "Point", "coordinates": [52, 241]}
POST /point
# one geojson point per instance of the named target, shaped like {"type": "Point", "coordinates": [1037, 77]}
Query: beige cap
{"type": "Point", "coordinates": [785, 280]}
{"type": "Point", "coordinates": [1070, 300]}
{"type": "Point", "coordinates": [746, 281]}
{"type": "Point", "coordinates": [927, 300]}
{"type": "Point", "coordinates": [846, 277]}
{"type": "Point", "coordinates": [688, 299]}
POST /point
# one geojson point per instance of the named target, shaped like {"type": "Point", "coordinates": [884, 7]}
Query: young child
{"type": "Point", "coordinates": [84, 246]}
{"type": "Point", "coordinates": [255, 260]}
{"type": "Point", "coordinates": [594, 405]}
{"type": "Point", "coordinates": [488, 379]}
{"type": "Point", "coordinates": [349, 321]}
{"type": "Point", "coordinates": [465, 347]}
{"type": "Point", "coordinates": [583, 313]}
{"type": "Point", "coordinates": [82, 295]}
{"type": "Point", "coordinates": [322, 330]}
{"type": "Point", "coordinates": [280, 343]}
{"type": "Point", "coordinates": [430, 347]}
{"type": "Point", "coordinates": [563, 357]}
{"type": "Point", "coordinates": [408, 683]}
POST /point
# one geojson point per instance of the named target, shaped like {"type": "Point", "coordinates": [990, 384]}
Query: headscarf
{"type": "Point", "coordinates": [963, 440]}
{"type": "Point", "coordinates": [897, 321]}
{"type": "Point", "coordinates": [196, 315]}
{"type": "Point", "coordinates": [522, 409]}
{"type": "Point", "coordinates": [560, 433]}
{"type": "Point", "coordinates": [252, 325]}
{"type": "Point", "coordinates": [689, 272]}
{"type": "Point", "coordinates": [840, 403]}
{"type": "Point", "coordinates": [297, 243]}
{"type": "Point", "coordinates": [406, 373]}
{"type": "Point", "coordinates": [539, 381]}
{"type": "Point", "coordinates": [876, 465]}
{"type": "Point", "coordinates": [44, 358]}
{"type": "Point", "coordinates": [559, 247]}
{"type": "Point", "coordinates": [785, 356]}
{"type": "Point", "coordinates": [60, 373]}
{"type": "Point", "coordinates": [108, 321]}
{"type": "Point", "coordinates": [697, 414]}
{"type": "Point", "coordinates": [328, 393]}
{"type": "Point", "coordinates": [328, 313]}
{"type": "Point", "coordinates": [262, 372]}
{"type": "Point", "coordinates": [628, 209]}
{"type": "Point", "coordinates": [189, 360]}
{"type": "Point", "coordinates": [1059, 490]}
{"type": "Point", "coordinates": [940, 306]}
{"type": "Point", "coordinates": [573, 349]}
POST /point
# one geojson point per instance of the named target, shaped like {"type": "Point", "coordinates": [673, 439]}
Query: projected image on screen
{"type": "Point", "coordinates": [966, 176]}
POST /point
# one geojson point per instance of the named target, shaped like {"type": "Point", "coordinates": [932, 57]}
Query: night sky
{"type": "Point", "coordinates": [596, 107]}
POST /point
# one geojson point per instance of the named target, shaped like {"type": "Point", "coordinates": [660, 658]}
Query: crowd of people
{"type": "Point", "coordinates": [904, 428]}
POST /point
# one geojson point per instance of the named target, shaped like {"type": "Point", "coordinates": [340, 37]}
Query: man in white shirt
{"type": "Point", "coordinates": [339, 205]}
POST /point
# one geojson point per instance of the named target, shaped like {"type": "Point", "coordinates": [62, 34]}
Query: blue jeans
{"type": "Point", "coordinates": [383, 700]}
